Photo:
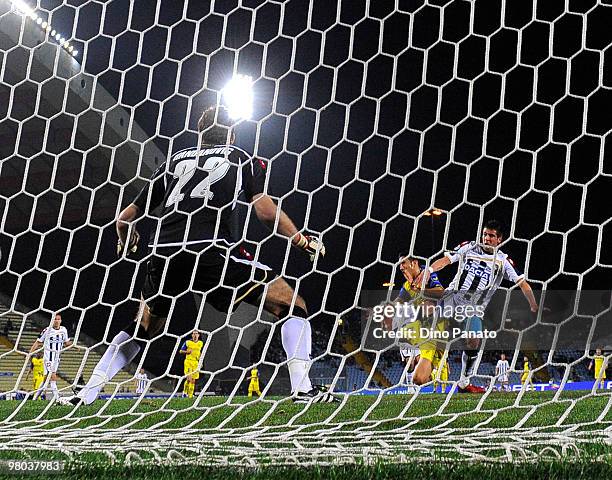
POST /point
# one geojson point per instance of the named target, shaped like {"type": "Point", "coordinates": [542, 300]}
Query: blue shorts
{"type": "Point", "coordinates": [473, 324]}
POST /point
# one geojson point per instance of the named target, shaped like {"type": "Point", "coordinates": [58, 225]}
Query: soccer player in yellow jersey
{"type": "Point", "coordinates": [599, 362]}
{"type": "Point", "coordinates": [38, 371]}
{"type": "Point", "coordinates": [526, 370]}
{"type": "Point", "coordinates": [192, 349]}
{"type": "Point", "coordinates": [443, 372]}
{"type": "Point", "coordinates": [254, 383]}
{"type": "Point", "coordinates": [430, 352]}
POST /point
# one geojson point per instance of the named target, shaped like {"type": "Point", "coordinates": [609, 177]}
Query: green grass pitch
{"type": "Point", "coordinates": [500, 414]}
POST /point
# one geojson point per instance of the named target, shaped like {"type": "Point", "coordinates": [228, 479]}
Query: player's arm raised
{"type": "Point", "coordinates": [436, 266]}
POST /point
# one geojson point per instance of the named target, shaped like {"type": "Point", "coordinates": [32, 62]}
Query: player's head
{"type": "Point", "coordinates": [142, 370]}
{"type": "Point", "coordinates": [503, 356]}
{"type": "Point", "coordinates": [525, 359]}
{"type": "Point", "coordinates": [195, 335]}
{"type": "Point", "coordinates": [598, 351]}
{"type": "Point", "coordinates": [408, 265]}
{"type": "Point", "coordinates": [492, 234]}
{"type": "Point", "coordinates": [57, 320]}
{"type": "Point", "coordinates": [215, 125]}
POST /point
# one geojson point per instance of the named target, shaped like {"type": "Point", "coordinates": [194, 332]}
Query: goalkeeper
{"type": "Point", "coordinates": [194, 193]}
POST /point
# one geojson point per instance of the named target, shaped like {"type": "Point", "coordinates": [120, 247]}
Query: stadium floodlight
{"type": "Point", "coordinates": [23, 7]}
{"type": "Point", "coordinates": [237, 96]}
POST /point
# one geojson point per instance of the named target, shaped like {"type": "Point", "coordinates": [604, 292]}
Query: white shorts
{"type": "Point", "coordinates": [51, 362]}
{"type": "Point", "coordinates": [407, 351]}
{"type": "Point", "coordinates": [503, 378]}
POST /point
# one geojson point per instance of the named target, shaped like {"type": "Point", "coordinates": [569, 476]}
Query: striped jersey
{"type": "Point", "coordinates": [503, 367]}
{"type": "Point", "coordinates": [53, 339]}
{"type": "Point", "coordinates": [141, 382]}
{"type": "Point", "coordinates": [479, 274]}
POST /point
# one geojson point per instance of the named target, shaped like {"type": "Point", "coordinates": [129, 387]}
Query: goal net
{"type": "Point", "coordinates": [387, 127]}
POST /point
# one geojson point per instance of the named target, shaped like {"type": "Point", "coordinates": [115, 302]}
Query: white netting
{"type": "Point", "coordinates": [369, 113]}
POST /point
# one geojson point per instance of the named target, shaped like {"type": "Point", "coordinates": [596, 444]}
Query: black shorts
{"type": "Point", "coordinates": [224, 279]}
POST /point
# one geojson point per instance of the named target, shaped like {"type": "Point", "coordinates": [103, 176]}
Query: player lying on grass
{"type": "Point", "coordinates": [194, 193]}
{"type": "Point", "coordinates": [482, 268]}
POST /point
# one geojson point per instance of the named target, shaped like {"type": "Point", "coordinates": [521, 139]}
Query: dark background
{"type": "Point", "coordinates": [369, 116]}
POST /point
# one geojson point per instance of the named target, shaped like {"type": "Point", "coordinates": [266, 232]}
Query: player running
{"type": "Point", "coordinates": [482, 267]}
{"type": "Point", "coordinates": [192, 349]}
{"type": "Point", "coordinates": [54, 339]}
{"type": "Point", "coordinates": [194, 193]}
{"type": "Point", "coordinates": [502, 370]}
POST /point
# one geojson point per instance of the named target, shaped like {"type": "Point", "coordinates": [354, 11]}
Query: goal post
{"type": "Point", "coordinates": [387, 127]}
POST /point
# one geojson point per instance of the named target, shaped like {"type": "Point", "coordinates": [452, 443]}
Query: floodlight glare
{"type": "Point", "coordinates": [23, 7]}
{"type": "Point", "coordinates": [237, 96]}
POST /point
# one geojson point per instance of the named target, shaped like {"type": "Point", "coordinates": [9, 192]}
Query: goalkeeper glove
{"type": "Point", "coordinates": [132, 244]}
{"type": "Point", "coordinates": [311, 245]}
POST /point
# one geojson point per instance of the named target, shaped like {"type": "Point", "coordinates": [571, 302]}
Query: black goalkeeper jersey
{"type": "Point", "coordinates": [196, 191]}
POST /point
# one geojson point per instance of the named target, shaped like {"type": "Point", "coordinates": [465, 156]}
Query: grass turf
{"type": "Point", "coordinates": [428, 413]}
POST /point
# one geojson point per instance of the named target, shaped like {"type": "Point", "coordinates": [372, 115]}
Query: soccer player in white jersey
{"type": "Point", "coordinates": [502, 370]}
{"type": "Point", "coordinates": [193, 250]}
{"type": "Point", "coordinates": [54, 339]}
{"type": "Point", "coordinates": [482, 267]}
{"type": "Point", "coordinates": [141, 381]}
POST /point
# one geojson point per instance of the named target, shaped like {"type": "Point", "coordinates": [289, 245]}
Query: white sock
{"type": "Point", "coordinates": [297, 341]}
{"type": "Point", "coordinates": [120, 353]}
{"type": "Point", "coordinates": [409, 378]}
{"type": "Point", "coordinates": [54, 390]}
{"type": "Point", "coordinates": [469, 367]}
